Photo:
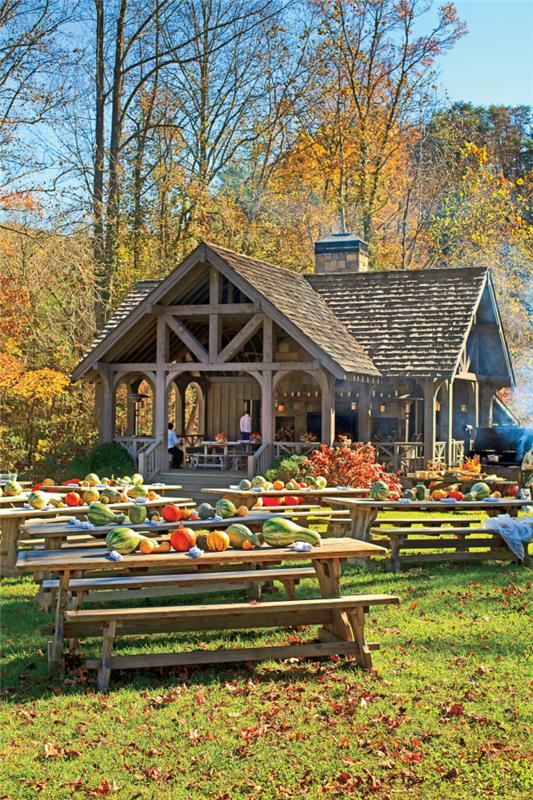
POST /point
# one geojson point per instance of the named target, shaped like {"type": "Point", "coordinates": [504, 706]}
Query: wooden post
{"type": "Point", "coordinates": [486, 396]}
{"type": "Point", "coordinates": [161, 394]}
{"type": "Point", "coordinates": [328, 410]}
{"type": "Point", "coordinates": [268, 340]}
{"type": "Point", "coordinates": [267, 408]}
{"type": "Point", "coordinates": [446, 419]}
{"type": "Point", "coordinates": [429, 419]}
{"type": "Point", "coordinates": [105, 398]}
{"type": "Point", "coordinates": [365, 413]}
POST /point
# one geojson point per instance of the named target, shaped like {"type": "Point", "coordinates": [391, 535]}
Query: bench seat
{"type": "Point", "coordinates": [111, 622]}
{"type": "Point", "coordinates": [465, 544]}
{"type": "Point", "coordinates": [445, 519]}
{"type": "Point", "coordinates": [130, 587]}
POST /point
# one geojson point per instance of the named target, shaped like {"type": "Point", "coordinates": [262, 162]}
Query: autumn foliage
{"type": "Point", "coordinates": [351, 465]}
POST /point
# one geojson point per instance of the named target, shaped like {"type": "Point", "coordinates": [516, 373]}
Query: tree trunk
{"type": "Point", "coordinates": [99, 165]}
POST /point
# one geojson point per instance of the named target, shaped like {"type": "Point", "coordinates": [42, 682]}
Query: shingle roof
{"type": "Point", "coordinates": [292, 294]}
{"type": "Point", "coordinates": [136, 295]}
{"type": "Point", "coordinates": [410, 323]}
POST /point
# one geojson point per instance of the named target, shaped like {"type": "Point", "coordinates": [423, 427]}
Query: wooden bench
{"type": "Point", "coordinates": [197, 460]}
{"type": "Point", "coordinates": [427, 522]}
{"type": "Point", "coordinates": [464, 544]}
{"type": "Point", "coordinates": [133, 587]}
{"type": "Point", "coordinates": [226, 616]}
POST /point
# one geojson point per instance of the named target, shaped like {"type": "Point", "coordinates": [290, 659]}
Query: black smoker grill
{"type": "Point", "coordinates": [502, 445]}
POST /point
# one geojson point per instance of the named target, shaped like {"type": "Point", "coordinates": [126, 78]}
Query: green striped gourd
{"type": "Point", "coordinates": [238, 534]}
{"type": "Point", "coordinates": [281, 532]}
{"type": "Point", "coordinates": [225, 509]}
{"type": "Point", "coordinates": [123, 540]}
{"type": "Point", "coordinates": [379, 491]}
{"type": "Point", "coordinates": [100, 514]}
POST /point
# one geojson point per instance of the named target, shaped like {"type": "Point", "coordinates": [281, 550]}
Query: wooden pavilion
{"type": "Point", "coordinates": [403, 359]}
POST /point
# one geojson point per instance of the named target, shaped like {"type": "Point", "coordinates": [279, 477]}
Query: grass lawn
{"type": "Point", "coordinates": [444, 714]}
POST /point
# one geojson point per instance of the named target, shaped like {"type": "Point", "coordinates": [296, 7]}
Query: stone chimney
{"type": "Point", "coordinates": [341, 252]}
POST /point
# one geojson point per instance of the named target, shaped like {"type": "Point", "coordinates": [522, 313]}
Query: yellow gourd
{"type": "Point", "coordinates": [217, 541]}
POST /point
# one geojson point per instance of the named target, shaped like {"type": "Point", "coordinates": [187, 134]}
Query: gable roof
{"type": "Point", "coordinates": [411, 323]}
{"type": "Point", "coordinates": [283, 293]}
{"type": "Point", "coordinates": [290, 293]}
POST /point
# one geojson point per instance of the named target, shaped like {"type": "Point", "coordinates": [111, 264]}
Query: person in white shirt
{"type": "Point", "coordinates": [173, 449]}
{"type": "Point", "coordinates": [245, 425]}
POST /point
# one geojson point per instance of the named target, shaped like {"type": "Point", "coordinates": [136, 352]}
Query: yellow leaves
{"type": "Point", "coordinates": [41, 384]}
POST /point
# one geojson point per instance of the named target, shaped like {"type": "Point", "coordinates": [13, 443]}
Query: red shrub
{"type": "Point", "coordinates": [353, 465]}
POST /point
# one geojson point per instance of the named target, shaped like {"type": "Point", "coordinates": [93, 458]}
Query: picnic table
{"type": "Point", "coordinates": [219, 454]}
{"type": "Point", "coordinates": [451, 479]}
{"type": "Point", "coordinates": [342, 618]}
{"type": "Point", "coordinates": [160, 488]}
{"type": "Point", "coordinates": [364, 512]}
{"type": "Point", "coordinates": [12, 519]}
{"type": "Point", "coordinates": [248, 497]}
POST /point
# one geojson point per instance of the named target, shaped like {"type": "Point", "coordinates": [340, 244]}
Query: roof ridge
{"type": "Point", "coordinates": [254, 258]}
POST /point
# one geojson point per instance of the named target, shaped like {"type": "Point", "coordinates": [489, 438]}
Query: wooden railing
{"type": "Point", "coordinates": [397, 455]}
{"type": "Point", "coordinates": [147, 459]}
{"type": "Point", "coordinates": [133, 444]}
{"type": "Point", "coordinates": [458, 452]}
{"type": "Point", "coordinates": [294, 448]}
{"type": "Point", "coordinates": [259, 461]}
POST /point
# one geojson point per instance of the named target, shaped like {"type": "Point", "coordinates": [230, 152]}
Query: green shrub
{"type": "Point", "coordinates": [105, 459]}
{"type": "Point", "coordinates": [288, 467]}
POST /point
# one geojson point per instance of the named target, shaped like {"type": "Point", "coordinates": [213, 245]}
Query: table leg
{"type": "Point", "coordinates": [328, 574]}
{"type": "Point", "coordinates": [362, 519]}
{"type": "Point", "coordinates": [56, 658]}
{"type": "Point", "coordinates": [8, 551]}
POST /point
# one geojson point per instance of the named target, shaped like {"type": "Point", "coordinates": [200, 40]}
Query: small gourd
{"type": "Point", "coordinates": [217, 541]}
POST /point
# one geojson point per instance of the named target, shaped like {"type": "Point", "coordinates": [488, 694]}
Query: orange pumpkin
{"type": "Point", "coordinates": [439, 494]}
{"type": "Point", "coordinates": [182, 539]}
{"type": "Point", "coordinates": [247, 545]}
{"type": "Point", "coordinates": [242, 511]}
{"type": "Point", "coordinates": [278, 485]}
{"type": "Point", "coordinates": [217, 541]}
{"type": "Point", "coordinates": [147, 546]}
{"type": "Point", "coordinates": [164, 547]}
{"type": "Point", "coordinates": [72, 499]}
{"type": "Point", "coordinates": [172, 513]}
{"type": "Point", "coordinates": [186, 513]}
{"type": "Point", "coordinates": [152, 495]}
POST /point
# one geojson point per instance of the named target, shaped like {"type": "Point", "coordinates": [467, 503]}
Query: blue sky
{"type": "Point", "coordinates": [493, 63]}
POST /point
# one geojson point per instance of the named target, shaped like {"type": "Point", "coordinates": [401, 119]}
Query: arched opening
{"type": "Point", "coordinates": [134, 407]}
{"type": "Point", "coordinates": [297, 407]}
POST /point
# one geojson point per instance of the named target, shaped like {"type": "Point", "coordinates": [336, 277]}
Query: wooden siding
{"type": "Point", "coordinates": [225, 405]}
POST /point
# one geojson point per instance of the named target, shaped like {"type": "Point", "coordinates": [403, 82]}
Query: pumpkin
{"type": "Point", "coordinates": [164, 547]}
{"type": "Point", "coordinates": [247, 545]}
{"type": "Point", "coordinates": [512, 491]}
{"type": "Point", "coordinates": [456, 495]}
{"type": "Point", "coordinates": [92, 479]}
{"type": "Point", "coordinates": [182, 539]}
{"type": "Point", "coordinates": [242, 511]}
{"type": "Point", "coordinates": [72, 499]}
{"type": "Point", "coordinates": [171, 513]}
{"type": "Point", "coordinates": [152, 495]}
{"type": "Point", "coordinates": [290, 501]}
{"type": "Point", "coordinates": [137, 479]}
{"type": "Point", "coordinates": [48, 482]}
{"type": "Point", "coordinates": [271, 501]}
{"type": "Point", "coordinates": [225, 509]}
{"type": "Point", "coordinates": [186, 513]}
{"type": "Point", "coordinates": [217, 541]}
{"type": "Point", "coordinates": [278, 485]}
{"type": "Point", "coordinates": [90, 495]}
{"type": "Point", "coordinates": [201, 540]}
{"type": "Point", "coordinates": [496, 494]}
{"type": "Point", "coordinates": [438, 494]}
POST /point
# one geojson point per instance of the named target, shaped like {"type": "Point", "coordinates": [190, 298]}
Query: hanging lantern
{"type": "Point", "coordinates": [382, 408]}
{"type": "Point", "coordinates": [280, 407]}
{"type": "Point", "coordinates": [353, 406]}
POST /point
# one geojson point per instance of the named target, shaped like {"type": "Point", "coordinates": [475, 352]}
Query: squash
{"type": "Point", "coordinates": [206, 511]}
{"type": "Point", "coordinates": [147, 546]}
{"type": "Point", "coordinates": [421, 491]}
{"type": "Point", "coordinates": [280, 532]}
{"type": "Point", "coordinates": [38, 499]}
{"type": "Point", "coordinates": [217, 541]}
{"type": "Point", "coordinates": [137, 514]}
{"type": "Point", "coordinates": [171, 513]}
{"type": "Point", "coordinates": [456, 495]}
{"type": "Point", "coordinates": [201, 539]}
{"type": "Point", "coordinates": [123, 540]}
{"type": "Point", "coordinates": [438, 494]}
{"type": "Point", "coordinates": [242, 511]}
{"type": "Point", "coordinates": [245, 485]}
{"type": "Point", "coordinates": [137, 491]}
{"type": "Point", "coordinates": [379, 491]}
{"type": "Point", "coordinates": [480, 490]}
{"type": "Point", "coordinates": [90, 495]}
{"type": "Point", "coordinates": [100, 514]}
{"type": "Point", "coordinates": [258, 482]}
{"type": "Point", "coordinates": [72, 499]}
{"type": "Point", "coordinates": [92, 479]}
{"type": "Point", "coordinates": [137, 479]}
{"type": "Point", "coordinates": [12, 489]}
{"type": "Point", "coordinates": [247, 545]}
{"type": "Point", "coordinates": [182, 539]}
{"type": "Point", "coordinates": [239, 534]}
{"type": "Point", "coordinates": [225, 509]}
{"type": "Point", "coordinates": [164, 547]}
{"type": "Point", "coordinates": [409, 494]}
{"type": "Point", "coordinates": [278, 486]}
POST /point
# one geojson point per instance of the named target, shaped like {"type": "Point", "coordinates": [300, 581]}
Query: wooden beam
{"type": "Point", "coordinates": [429, 419]}
{"type": "Point", "coordinates": [188, 338]}
{"type": "Point", "coordinates": [268, 339]}
{"type": "Point", "coordinates": [204, 309]}
{"type": "Point", "coordinates": [446, 418]}
{"type": "Point", "coordinates": [328, 411]}
{"type": "Point", "coordinates": [228, 366]}
{"type": "Point", "coordinates": [238, 341]}
{"type": "Point", "coordinates": [267, 408]}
